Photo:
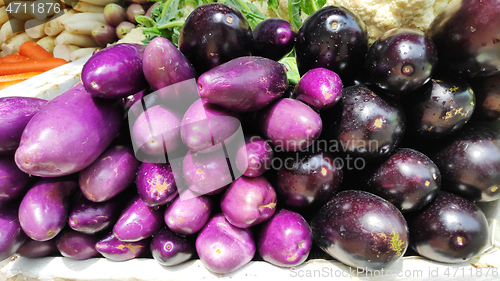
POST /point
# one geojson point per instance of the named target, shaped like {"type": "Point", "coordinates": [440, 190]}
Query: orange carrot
{"type": "Point", "coordinates": [14, 58]}
{"type": "Point", "coordinates": [4, 85]}
{"type": "Point", "coordinates": [34, 51]}
{"type": "Point", "coordinates": [20, 76]}
{"type": "Point", "coordinates": [30, 66]}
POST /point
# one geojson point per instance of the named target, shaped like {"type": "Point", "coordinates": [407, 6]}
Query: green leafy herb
{"type": "Point", "coordinates": [253, 15]}
{"type": "Point", "coordinates": [294, 13]}
{"type": "Point", "coordinates": [292, 72]}
{"type": "Point", "coordinates": [273, 5]}
{"type": "Point", "coordinates": [311, 6]}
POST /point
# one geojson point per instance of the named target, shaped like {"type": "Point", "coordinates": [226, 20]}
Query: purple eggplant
{"type": "Point", "coordinates": [205, 125]}
{"type": "Point", "coordinates": [320, 88]}
{"type": "Point", "coordinates": [44, 210]}
{"type": "Point", "coordinates": [114, 14]}
{"type": "Point", "coordinates": [133, 11]}
{"type": "Point", "coordinates": [12, 236]}
{"type": "Point", "coordinates": [15, 113]}
{"type": "Point", "coordinates": [68, 133]}
{"type": "Point", "coordinates": [156, 184]}
{"type": "Point", "coordinates": [124, 28]}
{"type": "Point", "coordinates": [138, 221]}
{"type": "Point", "coordinates": [113, 249]}
{"type": "Point", "coordinates": [13, 182]}
{"type": "Point", "coordinates": [487, 92]}
{"type": "Point", "coordinates": [244, 84]}
{"type": "Point", "coordinates": [165, 65]}
{"type": "Point", "coordinates": [285, 239]}
{"type": "Point", "coordinates": [255, 157]}
{"type": "Point", "coordinates": [91, 217]}
{"type": "Point", "coordinates": [76, 245]}
{"type": "Point", "coordinates": [224, 248]}
{"type": "Point", "coordinates": [111, 173]}
{"type": "Point", "coordinates": [169, 249]}
{"type": "Point", "coordinates": [99, 74]}
{"type": "Point", "coordinates": [104, 34]}
{"type": "Point", "coordinates": [273, 38]}
{"type": "Point", "coordinates": [188, 213]}
{"type": "Point", "coordinates": [37, 249]}
{"type": "Point", "coordinates": [213, 34]}
{"type": "Point", "coordinates": [206, 173]}
{"type": "Point", "coordinates": [248, 202]}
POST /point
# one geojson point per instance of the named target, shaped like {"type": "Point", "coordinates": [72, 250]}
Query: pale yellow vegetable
{"type": "Point", "coordinates": [64, 51]}
{"type": "Point", "coordinates": [79, 17]}
{"type": "Point", "coordinates": [82, 52]}
{"type": "Point", "coordinates": [88, 8]}
{"type": "Point", "coordinates": [75, 39]}
{"type": "Point", "coordinates": [11, 28]}
{"type": "Point", "coordinates": [12, 45]}
{"type": "Point", "coordinates": [35, 28]}
{"type": "Point", "coordinates": [82, 27]}
{"type": "Point", "coordinates": [100, 2]}
{"type": "Point", "coordinates": [55, 26]}
{"type": "Point", "coordinates": [4, 17]}
{"type": "Point", "coordinates": [47, 43]}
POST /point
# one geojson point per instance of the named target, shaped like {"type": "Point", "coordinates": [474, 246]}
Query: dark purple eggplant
{"type": "Point", "coordinates": [76, 245]}
{"type": "Point", "coordinates": [169, 248]}
{"type": "Point", "coordinates": [408, 179]}
{"type": "Point", "coordinates": [470, 164]}
{"type": "Point", "coordinates": [113, 249]}
{"type": "Point", "coordinates": [451, 230]}
{"type": "Point", "coordinates": [13, 182]}
{"type": "Point", "coordinates": [439, 108]}
{"type": "Point", "coordinates": [466, 35]}
{"type": "Point", "coordinates": [273, 38]}
{"type": "Point", "coordinates": [44, 210]}
{"type": "Point", "coordinates": [401, 60]}
{"type": "Point", "coordinates": [12, 236]}
{"type": "Point", "coordinates": [487, 92]}
{"type": "Point", "coordinates": [363, 124]}
{"type": "Point", "coordinates": [15, 113]}
{"type": "Point", "coordinates": [361, 230]}
{"type": "Point", "coordinates": [213, 34]}
{"type": "Point", "coordinates": [91, 217]}
{"type": "Point", "coordinates": [37, 249]}
{"type": "Point", "coordinates": [307, 179]}
{"type": "Point", "coordinates": [333, 38]}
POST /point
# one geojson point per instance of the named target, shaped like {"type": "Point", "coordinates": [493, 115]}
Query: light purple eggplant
{"type": "Point", "coordinates": [113, 249]}
{"type": "Point", "coordinates": [206, 173]}
{"type": "Point", "coordinates": [68, 133]}
{"type": "Point", "coordinates": [224, 248]}
{"type": "Point", "coordinates": [170, 249]}
{"type": "Point", "coordinates": [205, 125]}
{"type": "Point", "coordinates": [91, 217]}
{"type": "Point", "coordinates": [289, 124]}
{"type": "Point", "coordinates": [156, 184]}
{"type": "Point", "coordinates": [248, 201]}
{"type": "Point", "coordinates": [114, 14]}
{"type": "Point", "coordinates": [138, 221]}
{"type": "Point", "coordinates": [12, 236]}
{"type": "Point", "coordinates": [188, 213]}
{"type": "Point", "coordinates": [244, 84]}
{"type": "Point", "coordinates": [15, 113]}
{"type": "Point", "coordinates": [104, 34]}
{"type": "Point", "coordinates": [13, 182]}
{"type": "Point", "coordinates": [255, 157]}
{"type": "Point", "coordinates": [37, 249]}
{"type": "Point", "coordinates": [115, 72]}
{"type": "Point", "coordinates": [111, 173]}
{"type": "Point", "coordinates": [320, 88]}
{"type": "Point", "coordinates": [44, 210]}
{"type": "Point", "coordinates": [285, 239]}
{"type": "Point", "coordinates": [133, 11]}
{"type": "Point", "coordinates": [76, 245]}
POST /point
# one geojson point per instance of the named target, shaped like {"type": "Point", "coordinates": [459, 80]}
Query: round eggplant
{"type": "Point", "coordinates": [110, 174]}
{"type": "Point", "coordinates": [114, 14]}
{"type": "Point", "coordinates": [224, 248]}
{"type": "Point", "coordinates": [76, 245]}
{"type": "Point", "coordinates": [133, 11]}
{"type": "Point", "coordinates": [451, 230]}
{"type": "Point", "coordinates": [255, 157]}
{"type": "Point", "coordinates": [104, 34]}
{"type": "Point", "coordinates": [44, 210]}
{"type": "Point", "coordinates": [188, 213]}
{"type": "Point", "coordinates": [273, 38]}
{"type": "Point", "coordinates": [206, 173]}
{"type": "Point", "coordinates": [320, 88]}
{"type": "Point", "coordinates": [124, 28]}
{"type": "Point", "coordinates": [170, 249]}
{"type": "Point", "coordinates": [248, 202]}
{"type": "Point", "coordinates": [213, 34]}
{"type": "Point", "coordinates": [361, 230]}
{"type": "Point", "coordinates": [285, 240]}
{"type": "Point", "coordinates": [156, 184]}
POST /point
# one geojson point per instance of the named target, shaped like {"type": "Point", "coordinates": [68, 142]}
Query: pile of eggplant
{"type": "Point", "coordinates": [212, 150]}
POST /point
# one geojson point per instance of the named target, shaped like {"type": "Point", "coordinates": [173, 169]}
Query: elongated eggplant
{"type": "Point", "coordinates": [68, 134]}
{"type": "Point", "coordinates": [188, 213]}
{"type": "Point", "coordinates": [13, 182]}
{"type": "Point", "coordinates": [12, 237]}
{"type": "Point", "coordinates": [76, 245]}
{"type": "Point", "coordinates": [37, 249]}
{"type": "Point", "coordinates": [113, 249]}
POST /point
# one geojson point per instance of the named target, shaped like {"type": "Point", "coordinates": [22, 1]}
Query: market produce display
{"type": "Point", "coordinates": [230, 137]}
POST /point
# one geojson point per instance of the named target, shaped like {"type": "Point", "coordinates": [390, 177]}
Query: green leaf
{"type": "Point", "coordinates": [273, 5]}
{"type": "Point", "coordinates": [311, 6]}
{"type": "Point", "coordinates": [251, 13]}
{"type": "Point", "coordinates": [294, 13]}
{"type": "Point", "coordinates": [292, 72]}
